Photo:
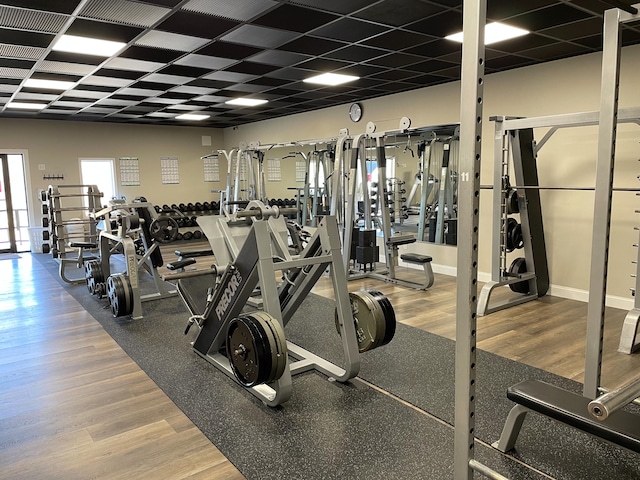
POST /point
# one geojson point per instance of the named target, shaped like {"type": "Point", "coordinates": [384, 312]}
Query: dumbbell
{"type": "Point", "coordinates": [187, 236]}
{"type": "Point", "coordinates": [198, 206]}
{"type": "Point", "coordinates": [206, 206]}
{"type": "Point", "coordinates": [191, 207]}
{"type": "Point", "coordinates": [197, 234]}
{"type": "Point", "coordinates": [182, 207]}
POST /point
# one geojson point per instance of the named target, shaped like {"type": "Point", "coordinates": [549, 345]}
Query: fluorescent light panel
{"type": "Point", "coordinates": [331, 79]}
{"type": "Point", "coordinates": [26, 106]}
{"type": "Point", "coordinates": [246, 102]}
{"type": "Point", "coordinates": [48, 84]}
{"type": "Point", "coordinates": [192, 116]}
{"type": "Point", "coordinates": [87, 46]}
{"type": "Point", "coordinates": [493, 33]}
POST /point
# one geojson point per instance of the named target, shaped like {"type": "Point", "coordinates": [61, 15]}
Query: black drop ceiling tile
{"type": "Point", "coordinates": [256, 35]}
{"type": "Point", "coordinates": [289, 74]}
{"type": "Point", "coordinates": [349, 30]}
{"type": "Point", "coordinates": [338, 6]}
{"type": "Point", "coordinates": [435, 49]}
{"type": "Point", "coordinates": [548, 17]}
{"type": "Point", "coordinates": [128, 98]}
{"type": "Point", "coordinates": [297, 19]}
{"type": "Point", "coordinates": [367, 83]}
{"type": "Point", "coordinates": [430, 66]}
{"type": "Point", "coordinates": [501, 9]}
{"type": "Point", "coordinates": [396, 60]}
{"type": "Point", "coordinates": [96, 88]}
{"type": "Point", "coordinates": [68, 57]}
{"type": "Point", "coordinates": [247, 88]}
{"type": "Point", "coordinates": [279, 58]}
{"type": "Point", "coordinates": [205, 83]}
{"type": "Point", "coordinates": [126, 74]}
{"type": "Point", "coordinates": [182, 70]}
{"type": "Point", "coordinates": [593, 42]}
{"type": "Point", "coordinates": [526, 42]}
{"type": "Point", "coordinates": [440, 25]}
{"type": "Point", "coordinates": [322, 65]}
{"type": "Point", "coordinates": [311, 45]}
{"type": "Point", "coordinates": [398, 40]}
{"type": "Point", "coordinates": [356, 53]}
{"type": "Point", "coordinates": [102, 30]}
{"type": "Point", "coordinates": [282, 92]}
{"type": "Point", "coordinates": [398, 12]}
{"type": "Point", "coordinates": [361, 70]}
{"type": "Point", "coordinates": [251, 68]}
{"type": "Point", "coordinates": [229, 50]}
{"type": "Point", "coordinates": [630, 37]}
{"type": "Point", "coordinates": [268, 81]}
{"type": "Point", "coordinates": [596, 7]}
{"type": "Point", "coordinates": [15, 63]}
{"type": "Point", "coordinates": [455, 57]}
{"type": "Point", "coordinates": [233, 77]}
{"type": "Point", "coordinates": [507, 62]}
{"type": "Point", "coordinates": [59, 6]}
{"type": "Point", "coordinates": [160, 87]}
{"type": "Point", "coordinates": [426, 80]}
{"type": "Point", "coordinates": [394, 75]}
{"type": "Point", "coordinates": [554, 51]}
{"type": "Point", "coordinates": [397, 87]}
{"type": "Point", "coordinates": [30, 39]}
{"type": "Point", "coordinates": [579, 29]}
{"type": "Point", "coordinates": [196, 25]}
{"type": "Point", "coordinates": [148, 54]}
{"type": "Point", "coordinates": [453, 72]}
{"type": "Point", "coordinates": [298, 86]}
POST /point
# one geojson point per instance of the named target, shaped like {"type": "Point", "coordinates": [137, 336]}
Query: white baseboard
{"type": "Point", "coordinates": [554, 290]}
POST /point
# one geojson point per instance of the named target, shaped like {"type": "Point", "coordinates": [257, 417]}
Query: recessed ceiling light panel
{"type": "Point", "coordinates": [192, 116]}
{"type": "Point", "coordinates": [87, 46]}
{"type": "Point", "coordinates": [493, 33]}
{"type": "Point", "coordinates": [48, 84]}
{"type": "Point", "coordinates": [246, 102]}
{"type": "Point", "coordinates": [26, 106]}
{"type": "Point", "coordinates": [331, 79]}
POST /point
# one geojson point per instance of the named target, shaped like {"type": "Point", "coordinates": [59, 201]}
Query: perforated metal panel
{"type": "Point", "coordinates": [122, 11]}
{"type": "Point", "coordinates": [171, 41]}
{"type": "Point", "coordinates": [18, 51]}
{"type": "Point", "coordinates": [13, 72]}
{"type": "Point", "coordinates": [33, 20]}
{"type": "Point", "coordinates": [63, 67]}
{"type": "Point", "coordinates": [236, 10]}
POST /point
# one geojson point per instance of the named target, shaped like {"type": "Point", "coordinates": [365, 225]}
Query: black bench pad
{"type": "Point", "coordinates": [621, 428]}
{"type": "Point", "coordinates": [193, 291]}
{"type": "Point", "coordinates": [194, 253]}
{"type": "Point", "coordinates": [415, 258]}
{"type": "Point", "coordinates": [83, 245]}
{"type": "Point", "coordinates": [181, 263]}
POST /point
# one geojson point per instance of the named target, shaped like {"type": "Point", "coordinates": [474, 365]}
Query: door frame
{"type": "Point", "coordinates": [32, 198]}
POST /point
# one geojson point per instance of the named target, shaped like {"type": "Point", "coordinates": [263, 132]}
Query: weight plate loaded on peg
{"type": "Point", "coordinates": [374, 318]}
{"type": "Point", "coordinates": [120, 295]}
{"type": "Point", "coordinates": [95, 278]}
{"type": "Point", "coordinates": [256, 348]}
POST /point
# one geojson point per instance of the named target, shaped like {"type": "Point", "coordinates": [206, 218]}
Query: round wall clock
{"type": "Point", "coordinates": [355, 112]}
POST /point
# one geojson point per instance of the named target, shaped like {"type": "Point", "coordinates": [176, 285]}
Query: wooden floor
{"type": "Point", "coordinates": [74, 405]}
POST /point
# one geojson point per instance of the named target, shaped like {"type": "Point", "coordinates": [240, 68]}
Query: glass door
{"type": "Point", "coordinates": [14, 216]}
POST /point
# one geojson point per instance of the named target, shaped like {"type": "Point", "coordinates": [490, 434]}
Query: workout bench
{"type": "Point", "coordinates": [569, 408]}
{"type": "Point", "coordinates": [423, 260]}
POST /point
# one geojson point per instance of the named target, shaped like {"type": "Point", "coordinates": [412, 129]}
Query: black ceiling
{"type": "Point", "coordinates": [190, 56]}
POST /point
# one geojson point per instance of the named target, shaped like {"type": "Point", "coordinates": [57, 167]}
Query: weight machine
{"type": "Point", "coordinates": [366, 252]}
{"type": "Point", "coordinates": [250, 346]}
{"type": "Point", "coordinates": [596, 415]}
{"type": "Point", "coordinates": [122, 223]}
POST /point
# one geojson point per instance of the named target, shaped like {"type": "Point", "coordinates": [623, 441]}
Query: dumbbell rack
{"type": "Point", "coordinates": [186, 215]}
{"type": "Point", "coordinates": [398, 201]}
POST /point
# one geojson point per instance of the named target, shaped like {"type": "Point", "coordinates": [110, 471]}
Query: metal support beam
{"type": "Point", "coordinates": [471, 101]}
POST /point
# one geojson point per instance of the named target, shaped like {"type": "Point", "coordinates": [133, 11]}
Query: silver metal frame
{"type": "Point", "coordinates": [471, 121]}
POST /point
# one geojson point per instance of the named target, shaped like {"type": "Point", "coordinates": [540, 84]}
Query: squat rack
{"type": "Point", "coordinates": [474, 19]}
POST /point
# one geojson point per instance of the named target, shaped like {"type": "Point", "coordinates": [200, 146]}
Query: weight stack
{"type": "Point", "coordinates": [367, 252]}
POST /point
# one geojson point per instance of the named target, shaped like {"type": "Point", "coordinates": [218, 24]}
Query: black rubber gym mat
{"type": "Point", "coordinates": [329, 430]}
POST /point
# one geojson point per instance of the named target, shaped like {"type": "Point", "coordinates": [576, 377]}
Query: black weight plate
{"type": "Point", "coordinates": [46, 248]}
{"type": "Point", "coordinates": [511, 224]}
{"type": "Point", "coordinates": [512, 202]}
{"type": "Point", "coordinates": [45, 235]}
{"type": "Point", "coordinates": [517, 240]}
{"type": "Point", "coordinates": [120, 295]}
{"type": "Point", "coordinates": [45, 222]}
{"type": "Point", "coordinates": [519, 266]}
{"type": "Point", "coordinates": [94, 276]}
{"type": "Point", "coordinates": [246, 352]}
{"type": "Point", "coordinates": [389, 315]}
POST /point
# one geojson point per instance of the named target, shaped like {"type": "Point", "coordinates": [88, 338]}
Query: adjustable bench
{"type": "Point", "coordinates": [423, 260]}
{"type": "Point", "coordinates": [621, 428]}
